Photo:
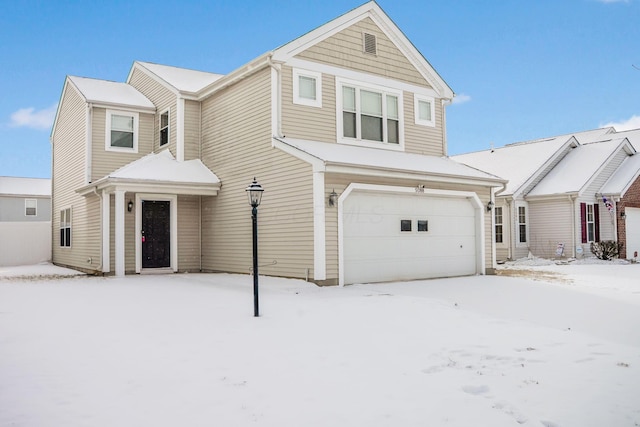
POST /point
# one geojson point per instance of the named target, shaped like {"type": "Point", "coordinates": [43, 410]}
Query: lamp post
{"type": "Point", "coordinates": [255, 196]}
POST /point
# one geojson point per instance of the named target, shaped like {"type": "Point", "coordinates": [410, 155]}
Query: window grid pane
{"type": "Point", "coordinates": [371, 103]}
{"type": "Point", "coordinates": [307, 87]}
{"type": "Point", "coordinates": [424, 112]}
{"type": "Point", "coordinates": [349, 99]}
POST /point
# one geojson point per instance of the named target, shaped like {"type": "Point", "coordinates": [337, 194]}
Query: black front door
{"type": "Point", "coordinates": [156, 234]}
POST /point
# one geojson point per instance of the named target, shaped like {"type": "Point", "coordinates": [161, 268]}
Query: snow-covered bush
{"type": "Point", "coordinates": [606, 250]}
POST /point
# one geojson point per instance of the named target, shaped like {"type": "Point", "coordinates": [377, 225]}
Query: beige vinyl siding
{"type": "Point", "coordinates": [191, 130]}
{"type": "Point", "coordinates": [422, 139]}
{"type": "Point", "coordinates": [68, 173]}
{"type": "Point", "coordinates": [236, 137]}
{"type": "Point", "coordinates": [550, 223]}
{"type": "Point", "coordinates": [345, 50]}
{"type": "Point", "coordinates": [104, 162]}
{"type": "Point", "coordinates": [129, 234]}
{"type": "Point", "coordinates": [339, 182]}
{"type": "Point", "coordinates": [305, 122]}
{"type": "Point", "coordinates": [188, 233]}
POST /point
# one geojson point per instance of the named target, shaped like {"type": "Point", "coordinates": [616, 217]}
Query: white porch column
{"type": "Point", "coordinates": [119, 232]}
{"type": "Point", "coordinates": [319, 241]}
{"type": "Point", "coordinates": [106, 232]}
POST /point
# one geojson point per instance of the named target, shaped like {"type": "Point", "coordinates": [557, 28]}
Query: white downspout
{"type": "Point", "coordinates": [573, 225]}
{"type": "Point", "coordinates": [89, 141]}
{"type": "Point", "coordinates": [276, 98]}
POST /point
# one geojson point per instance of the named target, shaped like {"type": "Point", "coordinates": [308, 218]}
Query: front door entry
{"type": "Point", "coordinates": [156, 234]}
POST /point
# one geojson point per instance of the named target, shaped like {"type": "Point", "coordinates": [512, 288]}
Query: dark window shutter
{"type": "Point", "coordinates": [596, 220]}
{"type": "Point", "coordinates": [583, 221]}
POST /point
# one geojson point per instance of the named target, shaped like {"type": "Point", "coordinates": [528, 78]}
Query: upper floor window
{"type": "Point", "coordinates": [424, 110]}
{"type": "Point", "coordinates": [497, 211]}
{"type": "Point", "coordinates": [164, 128]}
{"type": "Point", "coordinates": [369, 114]}
{"type": "Point", "coordinates": [122, 131]}
{"type": "Point", "coordinates": [65, 227]}
{"type": "Point", "coordinates": [31, 207]}
{"type": "Point", "coordinates": [307, 88]}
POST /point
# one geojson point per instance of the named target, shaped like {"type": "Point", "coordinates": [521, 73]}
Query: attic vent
{"type": "Point", "coordinates": [369, 41]}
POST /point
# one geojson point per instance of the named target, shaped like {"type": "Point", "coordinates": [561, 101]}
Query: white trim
{"type": "Point", "coordinates": [119, 232]}
{"type": "Point", "coordinates": [173, 203]}
{"type": "Point", "coordinates": [519, 205]}
{"type": "Point", "coordinates": [319, 242]}
{"type": "Point", "coordinates": [88, 142]}
{"type": "Point", "coordinates": [471, 196]}
{"type": "Point", "coordinates": [361, 77]}
{"type": "Point", "coordinates": [180, 129]}
{"type": "Point", "coordinates": [417, 99]}
{"type": "Point", "coordinates": [275, 100]}
{"type": "Point", "coordinates": [106, 232]}
{"type": "Point", "coordinates": [167, 111]}
{"type": "Point", "coordinates": [340, 82]}
{"type": "Point", "coordinates": [107, 139]}
{"type": "Point", "coordinates": [317, 77]}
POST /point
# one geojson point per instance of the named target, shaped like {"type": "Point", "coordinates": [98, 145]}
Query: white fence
{"type": "Point", "coordinates": [25, 243]}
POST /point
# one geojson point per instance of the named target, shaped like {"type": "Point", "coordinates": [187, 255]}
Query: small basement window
{"type": "Point", "coordinates": [423, 225]}
{"type": "Point", "coordinates": [405, 225]}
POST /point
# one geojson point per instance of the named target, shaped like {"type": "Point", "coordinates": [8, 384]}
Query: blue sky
{"type": "Point", "coordinates": [521, 69]}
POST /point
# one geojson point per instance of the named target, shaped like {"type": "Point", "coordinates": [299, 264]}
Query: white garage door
{"type": "Point", "coordinates": [389, 237]}
{"type": "Point", "coordinates": [632, 226]}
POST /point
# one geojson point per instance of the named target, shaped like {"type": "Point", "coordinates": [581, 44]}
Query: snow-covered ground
{"type": "Point", "coordinates": [560, 350]}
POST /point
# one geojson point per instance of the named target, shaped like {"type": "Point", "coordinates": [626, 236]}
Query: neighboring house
{"type": "Point", "coordinates": [25, 220]}
{"type": "Point", "coordinates": [553, 204]}
{"type": "Point", "coordinates": [344, 128]}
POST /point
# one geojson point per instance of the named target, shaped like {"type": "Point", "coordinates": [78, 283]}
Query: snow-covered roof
{"type": "Point", "coordinates": [16, 186]}
{"type": "Point", "coordinates": [577, 168]}
{"type": "Point", "coordinates": [520, 161]}
{"type": "Point", "coordinates": [162, 173]}
{"type": "Point", "coordinates": [181, 79]}
{"type": "Point", "coordinates": [623, 177]}
{"type": "Point", "coordinates": [111, 93]}
{"type": "Point", "coordinates": [633, 136]}
{"type": "Point", "coordinates": [333, 154]}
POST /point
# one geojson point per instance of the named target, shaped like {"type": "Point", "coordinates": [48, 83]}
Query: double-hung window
{"type": "Point", "coordinates": [522, 224]}
{"type": "Point", "coordinates": [369, 114]}
{"type": "Point", "coordinates": [65, 227]}
{"type": "Point", "coordinates": [307, 88]}
{"type": "Point", "coordinates": [591, 224]}
{"type": "Point", "coordinates": [31, 207]}
{"type": "Point", "coordinates": [498, 224]}
{"type": "Point", "coordinates": [590, 219]}
{"type": "Point", "coordinates": [164, 128]}
{"type": "Point", "coordinates": [122, 131]}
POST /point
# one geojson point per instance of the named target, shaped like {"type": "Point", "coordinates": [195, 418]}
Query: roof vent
{"type": "Point", "coordinates": [369, 41]}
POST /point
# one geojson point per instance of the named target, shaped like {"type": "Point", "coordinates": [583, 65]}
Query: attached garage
{"type": "Point", "coordinates": [632, 227]}
{"type": "Point", "coordinates": [396, 233]}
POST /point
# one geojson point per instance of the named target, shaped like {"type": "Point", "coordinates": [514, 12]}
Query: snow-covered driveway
{"type": "Point", "coordinates": [185, 350]}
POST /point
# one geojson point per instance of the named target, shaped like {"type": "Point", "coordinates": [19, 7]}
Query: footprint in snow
{"type": "Point", "coordinates": [476, 390]}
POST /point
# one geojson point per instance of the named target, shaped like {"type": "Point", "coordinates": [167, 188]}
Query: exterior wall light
{"type": "Point", "coordinates": [333, 198]}
{"type": "Point", "coordinates": [490, 205]}
{"type": "Point", "coordinates": [254, 191]}
{"type": "Point", "coordinates": [130, 206]}
{"type": "Point", "coordinates": [623, 215]}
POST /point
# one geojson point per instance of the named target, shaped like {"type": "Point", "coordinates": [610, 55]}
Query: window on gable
{"type": "Point", "coordinates": [369, 114]}
{"type": "Point", "coordinates": [122, 131]}
{"type": "Point", "coordinates": [307, 88]}
{"type": "Point", "coordinates": [522, 224]}
{"type": "Point", "coordinates": [31, 207]}
{"type": "Point", "coordinates": [424, 110]}
{"type": "Point", "coordinates": [65, 227]}
{"type": "Point", "coordinates": [164, 128]}
{"type": "Point", "coordinates": [498, 224]}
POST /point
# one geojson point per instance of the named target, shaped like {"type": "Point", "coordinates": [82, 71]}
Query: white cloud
{"type": "Point", "coordinates": [32, 118]}
{"type": "Point", "coordinates": [461, 99]}
{"type": "Point", "coordinates": [631, 123]}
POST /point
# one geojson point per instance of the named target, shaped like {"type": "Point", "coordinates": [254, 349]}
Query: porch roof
{"type": "Point", "coordinates": [343, 158]}
{"type": "Point", "coordinates": [622, 179]}
{"type": "Point", "coordinates": [160, 173]}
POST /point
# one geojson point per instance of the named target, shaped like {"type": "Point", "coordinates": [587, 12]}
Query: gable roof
{"type": "Point", "coordinates": [623, 177]}
{"type": "Point", "coordinates": [579, 167]}
{"type": "Point", "coordinates": [521, 163]}
{"type": "Point", "coordinates": [17, 186]}
{"type": "Point", "coordinates": [162, 173]}
{"type": "Point", "coordinates": [181, 80]}
{"type": "Point", "coordinates": [336, 157]}
{"type": "Point", "coordinates": [108, 93]}
{"type": "Point", "coordinates": [374, 12]}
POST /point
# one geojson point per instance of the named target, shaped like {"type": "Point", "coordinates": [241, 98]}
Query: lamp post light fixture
{"type": "Point", "coordinates": [254, 191]}
{"type": "Point", "coordinates": [490, 205]}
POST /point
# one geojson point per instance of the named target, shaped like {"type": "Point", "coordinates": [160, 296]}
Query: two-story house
{"type": "Point", "coordinates": [344, 127]}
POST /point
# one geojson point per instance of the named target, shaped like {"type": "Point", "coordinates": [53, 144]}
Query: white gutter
{"type": "Point", "coordinates": [235, 76]}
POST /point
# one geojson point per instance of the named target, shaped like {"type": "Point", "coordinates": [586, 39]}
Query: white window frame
{"type": "Point", "coordinates": [168, 113]}
{"type": "Point", "coordinates": [340, 83]}
{"type": "Point", "coordinates": [64, 226]}
{"type": "Point", "coordinates": [417, 99]}
{"type": "Point", "coordinates": [317, 77]}
{"type": "Point", "coordinates": [498, 224]}
{"type": "Point", "coordinates": [30, 203]}
{"type": "Point", "coordinates": [525, 223]}
{"type": "Point", "coordinates": [107, 139]}
{"type": "Point", "coordinates": [591, 231]}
